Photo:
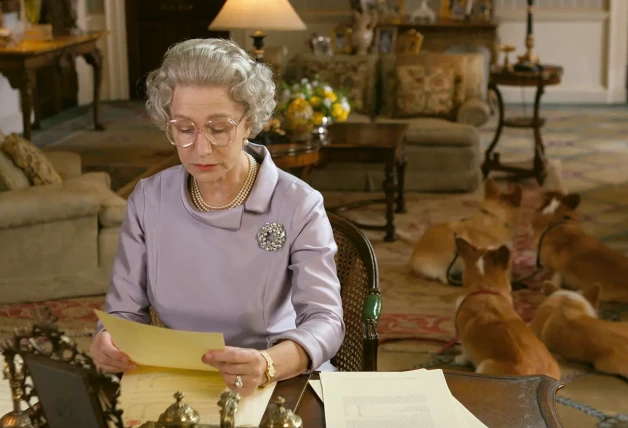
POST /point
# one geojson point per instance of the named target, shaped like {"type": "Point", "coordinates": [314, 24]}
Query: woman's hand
{"type": "Point", "coordinates": [106, 356]}
{"type": "Point", "coordinates": [246, 363]}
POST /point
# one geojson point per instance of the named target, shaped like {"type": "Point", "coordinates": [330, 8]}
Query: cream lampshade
{"type": "Point", "coordinates": [257, 15]}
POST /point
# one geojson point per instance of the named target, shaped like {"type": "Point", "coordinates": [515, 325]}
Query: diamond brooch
{"type": "Point", "coordinates": [272, 236]}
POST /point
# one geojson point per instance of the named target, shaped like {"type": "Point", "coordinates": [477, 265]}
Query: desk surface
{"type": "Point", "coordinates": [498, 401]}
{"type": "Point", "coordinates": [28, 47]}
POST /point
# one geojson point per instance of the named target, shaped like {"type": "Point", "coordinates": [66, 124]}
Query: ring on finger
{"type": "Point", "coordinates": [238, 381]}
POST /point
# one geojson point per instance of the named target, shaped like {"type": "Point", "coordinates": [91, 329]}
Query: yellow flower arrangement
{"type": "Point", "coordinates": [323, 100]}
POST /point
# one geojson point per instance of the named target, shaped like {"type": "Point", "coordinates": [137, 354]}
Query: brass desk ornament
{"type": "Point", "coordinates": [280, 417]}
{"type": "Point", "coordinates": [180, 415]}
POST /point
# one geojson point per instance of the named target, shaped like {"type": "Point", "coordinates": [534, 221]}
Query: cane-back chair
{"type": "Point", "coordinates": [361, 299]}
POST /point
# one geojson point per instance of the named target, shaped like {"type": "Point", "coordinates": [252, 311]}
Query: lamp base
{"type": "Point", "coordinates": [258, 44]}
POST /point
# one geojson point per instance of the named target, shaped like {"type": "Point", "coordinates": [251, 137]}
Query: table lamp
{"type": "Point", "coordinates": [257, 15]}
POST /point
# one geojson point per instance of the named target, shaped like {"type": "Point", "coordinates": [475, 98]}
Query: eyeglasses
{"type": "Point", "coordinates": [219, 132]}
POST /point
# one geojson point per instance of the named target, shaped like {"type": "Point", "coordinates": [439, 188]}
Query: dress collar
{"type": "Point", "coordinates": [258, 200]}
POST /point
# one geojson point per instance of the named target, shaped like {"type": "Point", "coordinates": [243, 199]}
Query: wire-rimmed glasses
{"type": "Point", "coordinates": [220, 132]}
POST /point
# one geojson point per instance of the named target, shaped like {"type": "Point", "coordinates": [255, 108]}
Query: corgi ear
{"type": "Point", "coordinates": [500, 257]}
{"type": "Point", "coordinates": [572, 200]}
{"type": "Point", "coordinates": [464, 248]}
{"type": "Point", "coordinates": [550, 288]}
{"type": "Point", "coordinates": [490, 189]}
{"type": "Point", "coordinates": [515, 197]}
{"type": "Point", "coordinates": [592, 294]}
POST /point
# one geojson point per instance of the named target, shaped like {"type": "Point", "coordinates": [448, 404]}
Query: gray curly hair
{"type": "Point", "coordinates": [212, 62]}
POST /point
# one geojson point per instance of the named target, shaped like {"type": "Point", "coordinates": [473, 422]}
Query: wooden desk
{"type": "Point", "coordinates": [498, 401]}
{"type": "Point", "coordinates": [20, 63]}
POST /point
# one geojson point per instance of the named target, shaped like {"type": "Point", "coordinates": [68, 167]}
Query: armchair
{"type": "Point", "coordinates": [58, 240]}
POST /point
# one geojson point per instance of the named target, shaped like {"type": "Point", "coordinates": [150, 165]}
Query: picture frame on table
{"type": "Point", "coordinates": [391, 11]}
{"type": "Point", "coordinates": [341, 42]}
{"type": "Point", "coordinates": [472, 9]}
{"type": "Point", "coordinates": [59, 385]}
{"type": "Point", "coordinates": [385, 40]}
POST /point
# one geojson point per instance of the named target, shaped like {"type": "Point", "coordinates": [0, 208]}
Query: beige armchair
{"type": "Point", "coordinates": [56, 240]}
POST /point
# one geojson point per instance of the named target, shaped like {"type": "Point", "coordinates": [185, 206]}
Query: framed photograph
{"type": "Point", "coordinates": [75, 404]}
{"type": "Point", "coordinates": [59, 385]}
{"type": "Point", "coordinates": [385, 40]}
{"type": "Point", "coordinates": [391, 11]}
{"type": "Point", "coordinates": [341, 40]}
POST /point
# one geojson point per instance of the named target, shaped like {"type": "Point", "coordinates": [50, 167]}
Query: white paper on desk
{"type": "Point", "coordinates": [146, 392]}
{"type": "Point", "coordinates": [461, 417]}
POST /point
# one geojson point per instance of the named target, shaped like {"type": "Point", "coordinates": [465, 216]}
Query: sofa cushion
{"type": "Point", "coordinates": [11, 177]}
{"type": "Point", "coordinates": [424, 91]}
{"type": "Point", "coordinates": [389, 63]}
{"type": "Point", "coordinates": [356, 74]}
{"type": "Point", "coordinates": [31, 160]}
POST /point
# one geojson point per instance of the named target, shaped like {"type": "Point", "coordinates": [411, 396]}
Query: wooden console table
{"type": "Point", "coordinates": [20, 63]}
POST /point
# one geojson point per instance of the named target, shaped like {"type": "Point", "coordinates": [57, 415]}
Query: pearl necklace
{"type": "Point", "coordinates": [200, 203]}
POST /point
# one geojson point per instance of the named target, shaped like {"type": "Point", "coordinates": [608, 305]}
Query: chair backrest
{"type": "Point", "coordinates": [357, 272]}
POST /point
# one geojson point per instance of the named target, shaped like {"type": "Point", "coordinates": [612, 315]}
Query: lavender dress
{"type": "Point", "coordinates": [207, 271]}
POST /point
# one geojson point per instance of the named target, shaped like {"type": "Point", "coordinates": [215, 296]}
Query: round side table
{"type": "Point", "coordinates": [548, 76]}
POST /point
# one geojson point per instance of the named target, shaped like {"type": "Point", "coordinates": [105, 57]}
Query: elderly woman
{"type": "Point", "coordinates": [226, 242]}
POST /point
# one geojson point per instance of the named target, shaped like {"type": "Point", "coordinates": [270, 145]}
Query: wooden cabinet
{"type": "Point", "coordinates": [155, 25]}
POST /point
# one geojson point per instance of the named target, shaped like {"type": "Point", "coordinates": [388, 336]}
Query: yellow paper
{"type": "Point", "coordinates": [147, 391]}
{"type": "Point", "coordinates": [161, 347]}
{"type": "Point", "coordinates": [411, 398]}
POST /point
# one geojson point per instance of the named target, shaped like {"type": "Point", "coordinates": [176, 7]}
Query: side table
{"type": "Point", "coordinates": [19, 64]}
{"type": "Point", "coordinates": [548, 76]}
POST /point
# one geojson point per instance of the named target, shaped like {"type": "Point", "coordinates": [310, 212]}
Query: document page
{"type": "Point", "coordinates": [154, 346]}
{"type": "Point", "coordinates": [147, 392]}
{"type": "Point", "coordinates": [6, 397]}
{"type": "Point", "coordinates": [388, 400]}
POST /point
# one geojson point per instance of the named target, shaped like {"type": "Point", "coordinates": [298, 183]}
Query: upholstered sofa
{"type": "Point", "coordinates": [442, 142]}
{"type": "Point", "coordinates": [56, 240]}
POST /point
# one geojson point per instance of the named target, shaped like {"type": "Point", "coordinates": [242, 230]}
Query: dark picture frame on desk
{"type": "Point", "coordinates": [65, 393]}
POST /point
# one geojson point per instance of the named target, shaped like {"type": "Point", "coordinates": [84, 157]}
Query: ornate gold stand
{"type": "Point", "coordinates": [180, 415]}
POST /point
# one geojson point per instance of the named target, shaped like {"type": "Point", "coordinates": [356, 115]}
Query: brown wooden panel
{"type": "Point", "coordinates": [155, 25]}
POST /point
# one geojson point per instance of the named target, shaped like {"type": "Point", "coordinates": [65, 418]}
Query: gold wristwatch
{"type": "Point", "coordinates": [270, 369]}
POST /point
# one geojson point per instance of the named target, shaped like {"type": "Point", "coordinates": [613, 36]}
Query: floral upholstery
{"type": "Point", "coordinates": [355, 74]}
{"type": "Point", "coordinates": [424, 91]}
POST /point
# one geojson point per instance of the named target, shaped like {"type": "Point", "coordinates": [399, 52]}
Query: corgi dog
{"type": "Point", "coordinates": [493, 335]}
{"type": "Point", "coordinates": [575, 258]}
{"type": "Point", "coordinates": [567, 323]}
{"type": "Point", "coordinates": [491, 226]}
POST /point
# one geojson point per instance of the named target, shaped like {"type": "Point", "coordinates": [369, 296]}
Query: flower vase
{"type": "Point", "coordinates": [298, 120]}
